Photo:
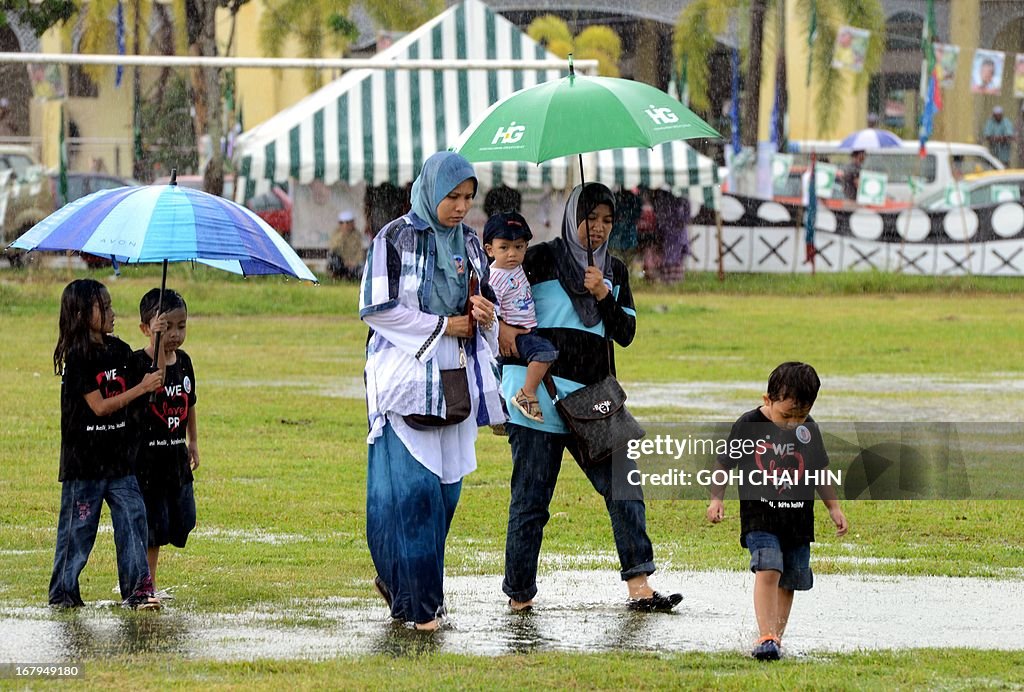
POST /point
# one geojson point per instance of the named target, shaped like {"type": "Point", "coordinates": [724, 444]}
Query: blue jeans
{"type": "Point", "coordinates": [80, 504]}
{"type": "Point", "coordinates": [535, 349]}
{"type": "Point", "coordinates": [408, 514]}
{"type": "Point", "coordinates": [536, 461]}
{"type": "Point", "coordinates": [793, 562]}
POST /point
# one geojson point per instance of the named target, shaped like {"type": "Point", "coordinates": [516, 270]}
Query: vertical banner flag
{"type": "Point", "coordinates": [119, 72]}
{"type": "Point", "coordinates": [932, 94]}
{"type": "Point", "coordinates": [62, 177]}
{"type": "Point", "coordinates": [734, 110]}
{"type": "Point", "coordinates": [812, 35]}
{"type": "Point", "coordinates": [811, 215]}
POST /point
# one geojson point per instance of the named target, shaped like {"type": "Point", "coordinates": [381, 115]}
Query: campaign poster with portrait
{"type": "Point", "coordinates": [851, 48]}
{"type": "Point", "coordinates": [987, 72]}
{"type": "Point", "coordinates": [1018, 77]}
{"type": "Point", "coordinates": [946, 56]}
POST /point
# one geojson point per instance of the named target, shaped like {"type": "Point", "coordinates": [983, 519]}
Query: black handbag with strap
{"type": "Point", "coordinates": [597, 418]}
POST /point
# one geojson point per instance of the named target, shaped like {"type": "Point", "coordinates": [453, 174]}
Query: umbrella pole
{"type": "Point", "coordinates": [159, 306]}
{"type": "Point", "coordinates": [586, 219]}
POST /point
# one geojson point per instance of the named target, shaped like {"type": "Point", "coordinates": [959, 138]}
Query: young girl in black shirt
{"type": "Point", "coordinates": [97, 452]}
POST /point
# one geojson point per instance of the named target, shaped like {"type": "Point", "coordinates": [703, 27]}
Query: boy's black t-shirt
{"type": "Point", "coordinates": [162, 422]}
{"type": "Point", "coordinates": [94, 447]}
{"type": "Point", "coordinates": [774, 504]}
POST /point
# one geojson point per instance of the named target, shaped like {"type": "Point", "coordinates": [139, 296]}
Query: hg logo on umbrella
{"type": "Point", "coordinates": [510, 135]}
{"type": "Point", "coordinates": [661, 116]}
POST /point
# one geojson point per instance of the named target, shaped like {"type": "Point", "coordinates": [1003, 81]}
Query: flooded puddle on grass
{"type": "Point", "coordinates": [888, 397]}
{"type": "Point", "coordinates": [577, 611]}
{"type": "Point", "coordinates": [885, 397]}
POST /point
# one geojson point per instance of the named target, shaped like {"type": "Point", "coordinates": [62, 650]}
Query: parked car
{"type": "Point", "coordinates": [82, 184]}
{"type": "Point", "coordinates": [979, 190]}
{"type": "Point", "coordinates": [25, 196]}
{"type": "Point", "coordinates": [274, 207]}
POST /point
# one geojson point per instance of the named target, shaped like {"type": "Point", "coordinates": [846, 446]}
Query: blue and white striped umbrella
{"type": "Point", "coordinates": [871, 138]}
{"type": "Point", "coordinates": [167, 223]}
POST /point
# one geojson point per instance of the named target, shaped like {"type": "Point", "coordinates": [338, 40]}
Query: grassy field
{"type": "Point", "coordinates": [282, 424]}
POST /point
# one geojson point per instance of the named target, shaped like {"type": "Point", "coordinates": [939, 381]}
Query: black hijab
{"type": "Point", "coordinates": [572, 255]}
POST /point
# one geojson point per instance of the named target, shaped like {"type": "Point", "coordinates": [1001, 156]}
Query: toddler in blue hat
{"type": "Point", "coordinates": [506, 237]}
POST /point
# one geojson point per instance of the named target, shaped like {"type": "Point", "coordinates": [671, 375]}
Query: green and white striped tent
{"type": "Point", "coordinates": [377, 126]}
{"type": "Point", "coordinates": [674, 166]}
{"type": "Point", "coordinates": [374, 126]}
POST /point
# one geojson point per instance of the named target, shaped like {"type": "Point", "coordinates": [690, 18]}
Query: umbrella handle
{"type": "Point", "coordinates": [156, 344]}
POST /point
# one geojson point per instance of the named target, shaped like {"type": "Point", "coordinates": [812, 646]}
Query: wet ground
{"type": "Point", "coordinates": [577, 611]}
{"type": "Point", "coordinates": [875, 397]}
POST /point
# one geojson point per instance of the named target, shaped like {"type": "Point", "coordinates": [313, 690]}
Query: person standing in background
{"type": "Point", "coordinates": [6, 119]}
{"type": "Point", "coordinates": [998, 135]}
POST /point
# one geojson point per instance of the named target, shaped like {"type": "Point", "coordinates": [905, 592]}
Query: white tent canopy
{"type": "Point", "coordinates": [378, 125]}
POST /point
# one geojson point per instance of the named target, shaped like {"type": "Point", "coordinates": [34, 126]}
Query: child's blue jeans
{"type": "Point", "coordinates": [80, 505]}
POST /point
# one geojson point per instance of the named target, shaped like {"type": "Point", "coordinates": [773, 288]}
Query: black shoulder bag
{"type": "Point", "coordinates": [597, 418]}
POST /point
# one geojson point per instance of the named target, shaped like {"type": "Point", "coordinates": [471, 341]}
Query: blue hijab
{"type": "Point", "coordinates": [442, 173]}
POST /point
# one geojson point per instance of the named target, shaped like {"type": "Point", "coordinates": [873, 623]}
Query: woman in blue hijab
{"type": "Point", "coordinates": [421, 300]}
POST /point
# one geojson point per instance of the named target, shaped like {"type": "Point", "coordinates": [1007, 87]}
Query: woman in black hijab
{"type": "Point", "coordinates": [582, 306]}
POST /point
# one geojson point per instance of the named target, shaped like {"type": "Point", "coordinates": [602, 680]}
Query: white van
{"type": "Point", "coordinates": [935, 169]}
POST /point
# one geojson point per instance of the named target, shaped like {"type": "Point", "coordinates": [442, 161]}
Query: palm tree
{"type": "Point", "coordinates": [596, 42]}
{"type": "Point", "coordinates": [703, 20]}
{"type": "Point", "coordinates": [323, 26]}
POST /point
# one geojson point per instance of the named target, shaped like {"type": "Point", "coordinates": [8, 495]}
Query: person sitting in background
{"type": "Point", "coordinates": [347, 249]}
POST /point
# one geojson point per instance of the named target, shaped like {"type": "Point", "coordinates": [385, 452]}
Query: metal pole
{"type": "Point", "coordinates": [586, 66]}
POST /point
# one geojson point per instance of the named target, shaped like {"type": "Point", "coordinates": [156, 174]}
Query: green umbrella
{"type": "Point", "coordinates": [577, 115]}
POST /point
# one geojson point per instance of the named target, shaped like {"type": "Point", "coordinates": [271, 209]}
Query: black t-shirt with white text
{"type": "Point", "coordinates": [95, 447]}
{"type": "Point", "coordinates": [776, 496]}
{"type": "Point", "coordinates": [162, 422]}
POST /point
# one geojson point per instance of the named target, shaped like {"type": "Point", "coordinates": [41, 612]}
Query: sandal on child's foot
{"type": "Point", "coordinates": [767, 649]}
{"type": "Point", "coordinates": [527, 406]}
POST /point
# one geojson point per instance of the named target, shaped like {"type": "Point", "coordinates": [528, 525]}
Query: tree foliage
{"type": "Point", "coordinates": [703, 20]}
{"type": "Point", "coordinates": [597, 42]}
{"type": "Point", "coordinates": [323, 28]}
{"type": "Point", "coordinates": [39, 16]}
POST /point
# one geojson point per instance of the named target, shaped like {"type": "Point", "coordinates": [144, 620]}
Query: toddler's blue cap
{"type": "Point", "coordinates": [508, 225]}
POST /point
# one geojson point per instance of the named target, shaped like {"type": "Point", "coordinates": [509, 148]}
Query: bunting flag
{"type": "Point", "coordinates": [932, 91]}
{"type": "Point", "coordinates": [811, 214]}
{"type": "Point", "coordinates": [119, 72]}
